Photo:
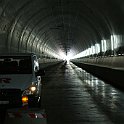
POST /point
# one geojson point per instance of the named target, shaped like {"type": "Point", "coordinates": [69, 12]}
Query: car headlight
{"type": "Point", "coordinates": [33, 88]}
{"type": "Point", "coordinates": [29, 91]}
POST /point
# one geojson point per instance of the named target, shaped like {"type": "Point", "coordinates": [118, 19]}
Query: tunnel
{"type": "Point", "coordinates": [89, 34]}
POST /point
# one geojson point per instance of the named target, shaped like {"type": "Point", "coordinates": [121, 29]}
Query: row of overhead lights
{"type": "Point", "coordinates": [110, 44]}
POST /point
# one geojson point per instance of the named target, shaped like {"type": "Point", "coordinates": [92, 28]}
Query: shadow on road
{"type": "Point", "coordinates": [2, 115]}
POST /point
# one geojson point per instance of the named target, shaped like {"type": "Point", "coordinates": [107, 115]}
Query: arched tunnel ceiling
{"type": "Point", "coordinates": [55, 26]}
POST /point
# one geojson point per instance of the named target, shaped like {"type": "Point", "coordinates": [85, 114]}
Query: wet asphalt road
{"type": "Point", "coordinates": [73, 96]}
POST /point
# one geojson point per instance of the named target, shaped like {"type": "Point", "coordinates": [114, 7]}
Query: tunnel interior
{"type": "Point", "coordinates": [63, 29]}
{"type": "Point", "coordinates": [89, 33]}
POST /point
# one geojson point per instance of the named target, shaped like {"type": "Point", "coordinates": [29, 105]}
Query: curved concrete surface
{"type": "Point", "coordinates": [57, 27]}
{"type": "Point", "coordinates": [81, 30]}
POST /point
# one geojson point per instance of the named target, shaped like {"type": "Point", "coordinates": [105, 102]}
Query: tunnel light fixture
{"type": "Point", "coordinates": [115, 41]}
{"type": "Point", "coordinates": [103, 44]}
{"type": "Point", "coordinates": [97, 48]}
{"type": "Point", "coordinates": [112, 42]}
{"type": "Point", "coordinates": [89, 51]}
{"type": "Point", "coordinates": [93, 49]}
{"type": "Point", "coordinates": [84, 53]}
{"type": "Point", "coordinates": [78, 55]}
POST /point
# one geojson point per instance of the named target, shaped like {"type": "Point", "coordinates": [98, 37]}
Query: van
{"type": "Point", "coordinates": [20, 80]}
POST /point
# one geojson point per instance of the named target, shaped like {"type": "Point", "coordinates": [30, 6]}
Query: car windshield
{"type": "Point", "coordinates": [15, 65]}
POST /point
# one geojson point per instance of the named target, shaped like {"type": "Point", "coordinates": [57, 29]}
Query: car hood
{"type": "Point", "coordinates": [15, 81]}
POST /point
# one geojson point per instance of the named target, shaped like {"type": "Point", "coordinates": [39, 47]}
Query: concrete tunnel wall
{"type": "Point", "coordinates": [115, 62]}
{"type": "Point", "coordinates": [6, 46]}
{"type": "Point", "coordinates": [27, 27]}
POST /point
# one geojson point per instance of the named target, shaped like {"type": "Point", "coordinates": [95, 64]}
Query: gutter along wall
{"type": "Point", "coordinates": [110, 69]}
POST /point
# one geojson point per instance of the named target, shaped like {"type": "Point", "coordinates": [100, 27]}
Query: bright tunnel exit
{"type": "Point", "coordinates": [65, 57]}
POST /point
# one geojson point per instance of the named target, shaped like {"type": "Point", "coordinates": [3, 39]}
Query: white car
{"type": "Point", "coordinates": [20, 80]}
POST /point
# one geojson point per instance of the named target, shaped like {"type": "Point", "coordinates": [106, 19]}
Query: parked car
{"type": "Point", "coordinates": [20, 80]}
